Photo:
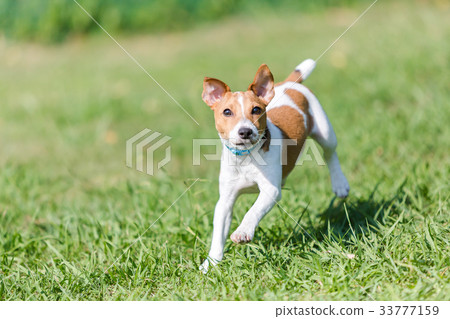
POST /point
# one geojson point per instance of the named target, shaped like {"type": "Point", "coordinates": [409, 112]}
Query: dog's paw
{"type": "Point", "coordinates": [241, 237]}
{"type": "Point", "coordinates": [207, 264]}
{"type": "Point", "coordinates": [204, 267]}
{"type": "Point", "coordinates": [340, 186]}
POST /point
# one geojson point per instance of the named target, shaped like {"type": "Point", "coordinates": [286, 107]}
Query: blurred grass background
{"type": "Point", "coordinates": [55, 20]}
{"type": "Point", "coordinates": [69, 206]}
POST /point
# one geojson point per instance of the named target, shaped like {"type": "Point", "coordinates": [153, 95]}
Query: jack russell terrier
{"type": "Point", "coordinates": [248, 124]}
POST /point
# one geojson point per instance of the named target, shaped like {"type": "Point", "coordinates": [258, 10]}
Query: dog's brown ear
{"type": "Point", "coordinates": [262, 84]}
{"type": "Point", "coordinates": [213, 91]}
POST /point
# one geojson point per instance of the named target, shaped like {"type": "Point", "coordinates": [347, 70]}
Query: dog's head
{"type": "Point", "coordinates": [240, 116]}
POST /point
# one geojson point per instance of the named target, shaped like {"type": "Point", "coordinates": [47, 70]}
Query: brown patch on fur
{"type": "Point", "coordinates": [301, 101]}
{"type": "Point", "coordinates": [250, 100]}
{"type": "Point", "coordinates": [291, 124]}
{"type": "Point", "coordinates": [224, 124]}
{"type": "Point", "coordinates": [295, 76]}
{"type": "Point", "coordinates": [265, 146]}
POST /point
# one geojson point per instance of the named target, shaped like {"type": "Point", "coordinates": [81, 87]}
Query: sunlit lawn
{"type": "Point", "coordinates": [69, 207]}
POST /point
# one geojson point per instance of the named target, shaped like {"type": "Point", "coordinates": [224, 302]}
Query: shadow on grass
{"type": "Point", "coordinates": [338, 222]}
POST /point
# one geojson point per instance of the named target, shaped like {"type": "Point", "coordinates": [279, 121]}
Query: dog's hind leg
{"type": "Point", "coordinates": [323, 133]}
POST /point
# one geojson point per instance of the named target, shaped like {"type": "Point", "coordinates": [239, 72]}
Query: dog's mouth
{"type": "Point", "coordinates": [244, 143]}
{"type": "Point", "coordinates": [240, 146]}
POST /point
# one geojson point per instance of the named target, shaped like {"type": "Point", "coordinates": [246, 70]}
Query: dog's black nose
{"type": "Point", "coordinates": [245, 132]}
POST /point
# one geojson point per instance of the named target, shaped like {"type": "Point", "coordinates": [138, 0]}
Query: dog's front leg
{"type": "Point", "coordinates": [222, 221]}
{"type": "Point", "coordinates": [268, 196]}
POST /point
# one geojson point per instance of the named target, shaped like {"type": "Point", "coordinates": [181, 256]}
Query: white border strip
{"type": "Point", "coordinates": [226, 310]}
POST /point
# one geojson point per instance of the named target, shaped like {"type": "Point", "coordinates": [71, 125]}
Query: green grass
{"type": "Point", "coordinates": [69, 206]}
{"type": "Point", "coordinates": [53, 21]}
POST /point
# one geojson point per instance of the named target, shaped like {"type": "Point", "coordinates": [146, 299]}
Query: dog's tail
{"type": "Point", "coordinates": [302, 71]}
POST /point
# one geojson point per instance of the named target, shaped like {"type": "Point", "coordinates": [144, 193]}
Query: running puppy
{"type": "Point", "coordinates": [249, 124]}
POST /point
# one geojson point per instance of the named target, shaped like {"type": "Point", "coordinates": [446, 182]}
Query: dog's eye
{"type": "Point", "coordinates": [256, 110]}
{"type": "Point", "coordinates": [227, 112]}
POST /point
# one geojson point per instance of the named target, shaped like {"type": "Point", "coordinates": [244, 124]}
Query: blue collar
{"type": "Point", "coordinates": [239, 152]}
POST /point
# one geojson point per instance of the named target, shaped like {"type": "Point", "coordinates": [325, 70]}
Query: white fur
{"type": "Point", "coordinates": [306, 68]}
{"type": "Point", "coordinates": [262, 171]}
{"type": "Point", "coordinates": [241, 102]}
